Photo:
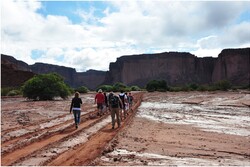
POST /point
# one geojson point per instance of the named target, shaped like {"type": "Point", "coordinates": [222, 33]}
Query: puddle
{"type": "Point", "coordinates": [61, 147]}
{"type": "Point", "coordinates": [56, 121]}
{"type": "Point", "coordinates": [132, 157]}
{"type": "Point", "coordinates": [221, 119]}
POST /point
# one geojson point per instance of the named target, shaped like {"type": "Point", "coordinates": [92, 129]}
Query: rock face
{"type": "Point", "coordinates": [90, 79]}
{"type": "Point", "coordinates": [233, 65]}
{"type": "Point", "coordinates": [181, 68]}
{"type": "Point", "coordinates": [65, 72]}
{"type": "Point", "coordinates": [13, 72]}
{"type": "Point", "coordinates": [176, 68]}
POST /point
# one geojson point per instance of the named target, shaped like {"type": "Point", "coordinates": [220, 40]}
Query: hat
{"type": "Point", "coordinates": [100, 91]}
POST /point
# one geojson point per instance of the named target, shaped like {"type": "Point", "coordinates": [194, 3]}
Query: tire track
{"type": "Point", "coordinates": [46, 143]}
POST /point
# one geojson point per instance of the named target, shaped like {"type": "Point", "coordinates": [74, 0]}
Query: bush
{"type": "Point", "coordinates": [14, 93]}
{"type": "Point", "coordinates": [82, 89]}
{"type": "Point", "coordinates": [5, 91]}
{"type": "Point", "coordinates": [202, 88]}
{"type": "Point", "coordinates": [135, 88]}
{"type": "Point", "coordinates": [10, 91]}
{"type": "Point", "coordinates": [193, 86]}
{"type": "Point", "coordinates": [45, 87]}
{"type": "Point", "coordinates": [155, 85]}
{"type": "Point", "coordinates": [118, 87]}
{"type": "Point", "coordinates": [105, 88]}
{"type": "Point", "coordinates": [222, 85]}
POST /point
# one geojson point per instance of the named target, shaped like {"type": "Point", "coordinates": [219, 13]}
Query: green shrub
{"type": "Point", "coordinates": [82, 89]}
{"type": "Point", "coordinates": [222, 85]}
{"type": "Point", "coordinates": [45, 87]}
{"type": "Point", "coordinates": [155, 85]}
{"type": "Point", "coordinates": [202, 88]}
{"type": "Point", "coordinates": [135, 88]}
{"type": "Point", "coordinates": [193, 86]}
{"type": "Point", "coordinates": [10, 91]}
{"type": "Point", "coordinates": [118, 87]}
{"type": "Point", "coordinates": [14, 93]}
{"type": "Point", "coordinates": [105, 88]}
{"type": "Point", "coordinates": [175, 89]}
{"type": "Point", "coordinates": [4, 91]}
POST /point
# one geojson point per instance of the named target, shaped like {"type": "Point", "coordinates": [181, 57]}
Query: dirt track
{"type": "Point", "coordinates": [42, 133]}
{"type": "Point", "coordinates": [193, 128]}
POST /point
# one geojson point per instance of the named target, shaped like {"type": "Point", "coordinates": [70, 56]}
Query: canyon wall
{"type": "Point", "coordinates": [176, 68]}
{"type": "Point", "coordinates": [179, 69]}
{"type": "Point", "coordinates": [15, 73]}
{"type": "Point", "coordinates": [233, 65]}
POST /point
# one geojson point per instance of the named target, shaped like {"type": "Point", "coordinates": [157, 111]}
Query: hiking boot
{"type": "Point", "coordinates": [76, 126]}
{"type": "Point", "coordinates": [113, 127]}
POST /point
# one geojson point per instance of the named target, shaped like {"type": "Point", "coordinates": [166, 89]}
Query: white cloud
{"type": "Point", "coordinates": [135, 27]}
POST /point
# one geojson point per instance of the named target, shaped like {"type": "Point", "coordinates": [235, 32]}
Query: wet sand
{"type": "Point", "coordinates": [183, 128]}
{"type": "Point", "coordinates": [193, 128]}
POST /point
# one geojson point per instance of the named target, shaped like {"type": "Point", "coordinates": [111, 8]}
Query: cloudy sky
{"type": "Point", "coordinates": [91, 34]}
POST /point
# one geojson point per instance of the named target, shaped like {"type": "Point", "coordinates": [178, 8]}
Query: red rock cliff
{"type": "Point", "coordinates": [176, 68]}
{"type": "Point", "coordinates": [233, 65]}
{"type": "Point", "coordinates": [181, 68]}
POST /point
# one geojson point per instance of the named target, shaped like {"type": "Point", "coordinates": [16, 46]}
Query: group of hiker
{"type": "Point", "coordinates": [118, 105]}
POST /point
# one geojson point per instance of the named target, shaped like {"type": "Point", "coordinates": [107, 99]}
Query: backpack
{"type": "Point", "coordinates": [130, 99]}
{"type": "Point", "coordinates": [114, 101]}
{"type": "Point", "coordinates": [122, 96]}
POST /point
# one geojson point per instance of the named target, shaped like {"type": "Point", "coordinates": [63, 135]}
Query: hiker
{"type": "Point", "coordinates": [126, 107]}
{"type": "Point", "coordinates": [99, 100]}
{"type": "Point", "coordinates": [123, 98]}
{"type": "Point", "coordinates": [76, 107]}
{"type": "Point", "coordinates": [114, 103]}
{"type": "Point", "coordinates": [106, 102]}
{"type": "Point", "coordinates": [130, 101]}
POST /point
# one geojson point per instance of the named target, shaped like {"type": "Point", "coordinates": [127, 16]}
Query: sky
{"type": "Point", "coordinates": [90, 34]}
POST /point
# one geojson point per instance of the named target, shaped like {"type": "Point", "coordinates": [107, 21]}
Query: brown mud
{"type": "Point", "coordinates": [183, 128]}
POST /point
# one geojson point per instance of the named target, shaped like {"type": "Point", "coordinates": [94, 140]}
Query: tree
{"type": "Point", "coordinates": [45, 87]}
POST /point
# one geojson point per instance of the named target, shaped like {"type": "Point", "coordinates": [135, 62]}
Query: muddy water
{"type": "Point", "coordinates": [47, 154]}
{"type": "Point", "coordinates": [185, 128]}
{"type": "Point", "coordinates": [132, 158]}
{"type": "Point", "coordinates": [221, 119]}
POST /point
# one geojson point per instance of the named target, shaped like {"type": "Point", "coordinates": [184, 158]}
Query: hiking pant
{"type": "Point", "coordinates": [77, 116]}
{"type": "Point", "coordinates": [100, 108]}
{"type": "Point", "coordinates": [115, 113]}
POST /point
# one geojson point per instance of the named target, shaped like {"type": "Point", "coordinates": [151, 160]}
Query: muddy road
{"type": "Point", "coordinates": [43, 133]}
{"type": "Point", "coordinates": [184, 128]}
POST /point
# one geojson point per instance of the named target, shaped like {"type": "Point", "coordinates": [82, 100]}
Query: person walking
{"type": "Point", "coordinates": [76, 107]}
{"type": "Point", "coordinates": [99, 100]}
{"type": "Point", "coordinates": [114, 104]}
{"type": "Point", "coordinates": [130, 101]}
{"type": "Point", "coordinates": [123, 98]}
{"type": "Point", "coordinates": [106, 102]}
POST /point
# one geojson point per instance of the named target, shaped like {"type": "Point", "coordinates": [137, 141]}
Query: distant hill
{"type": "Point", "coordinates": [177, 68]}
